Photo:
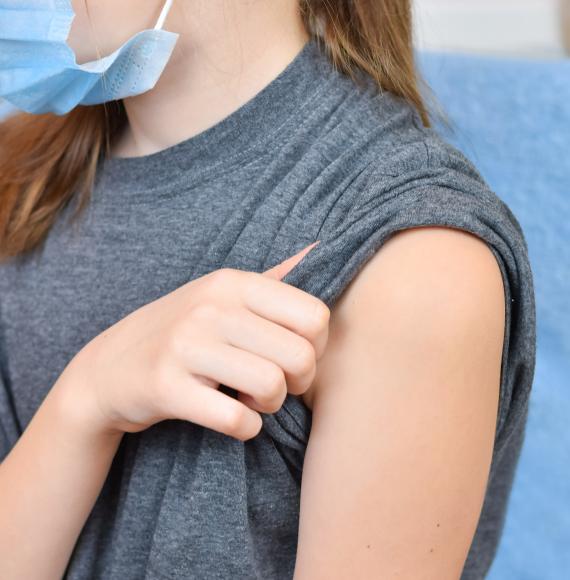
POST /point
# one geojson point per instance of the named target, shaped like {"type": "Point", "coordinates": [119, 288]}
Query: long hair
{"type": "Point", "coordinates": [46, 160]}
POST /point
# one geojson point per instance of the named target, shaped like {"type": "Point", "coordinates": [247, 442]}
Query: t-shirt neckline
{"type": "Point", "coordinates": [236, 137]}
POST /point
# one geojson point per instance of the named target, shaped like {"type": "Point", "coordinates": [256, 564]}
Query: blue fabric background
{"type": "Point", "coordinates": [512, 119]}
{"type": "Point", "coordinates": [5, 108]}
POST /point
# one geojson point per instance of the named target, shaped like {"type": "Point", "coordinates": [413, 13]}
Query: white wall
{"type": "Point", "coordinates": [526, 28]}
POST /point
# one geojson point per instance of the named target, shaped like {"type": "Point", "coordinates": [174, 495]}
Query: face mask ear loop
{"type": "Point", "coordinates": [163, 15]}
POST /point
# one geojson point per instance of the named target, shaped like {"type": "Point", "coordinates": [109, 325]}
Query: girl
{"type": "Point", "coordinates": [257, 319]}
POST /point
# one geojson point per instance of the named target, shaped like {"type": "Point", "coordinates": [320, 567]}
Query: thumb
{"type": "Point", "coordinates": [280, 270]}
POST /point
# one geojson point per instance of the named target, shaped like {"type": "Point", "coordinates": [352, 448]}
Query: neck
{"type": "Point", "coordinates": [227, 52]}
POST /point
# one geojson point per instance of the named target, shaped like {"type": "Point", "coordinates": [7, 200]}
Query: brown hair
{"type": "Point", "coordinates": [46, 159]}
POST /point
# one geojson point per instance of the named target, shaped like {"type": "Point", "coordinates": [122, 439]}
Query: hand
{"type": "Point", "coordinates": [166, 360]}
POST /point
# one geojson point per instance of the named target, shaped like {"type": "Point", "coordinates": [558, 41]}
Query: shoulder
{"type": "Point", "coordinates": [443, 265]}
{"type": "Point", "coordinates": [391, 162]}
{"type": "Point", "coordinates": [409, 204]}
{"type": "Point", "coordinates": [426, 291]}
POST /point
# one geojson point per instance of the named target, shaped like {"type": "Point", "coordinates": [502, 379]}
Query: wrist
{"type": "Point", "coordinates": [75, 405]}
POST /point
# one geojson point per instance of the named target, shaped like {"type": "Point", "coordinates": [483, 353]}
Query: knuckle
{"type": "Point", "coordinates": [172, 342]}
{"type": "Point", "coordinates": [204, 312]}
{"type": "Point", "coordinates": [216, 280]}
{"type": "Point", "coordinates": [321, 314]}
{"type": "Point", "coordinates": [251, 289]}
{"type": "Point", "coordinates": [218, 275]}
{"type": "Point", "coordinates": [224, 276]}
{"type": "Point", "coordinates": [275, 385]}
{"type": "Point", "coordinates": [303, 359]}
{"type": "Point", "coordinates": [249, 278]}
{"type": "Point", "coordinates": [234, 418]}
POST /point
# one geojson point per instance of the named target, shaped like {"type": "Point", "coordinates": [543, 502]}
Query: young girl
{"type": "Point", "coordinates": [257, 319]}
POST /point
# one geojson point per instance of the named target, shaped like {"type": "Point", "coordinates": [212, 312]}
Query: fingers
{"type": "Point", "coordinates": [290, 307]}
{"type": "Point", "coordinates": [293, 353]}
{"type": "Point", "coordinates": [246, 330]}
{"type": "Point", "coordinates": [242, 370]}
{"type": "Point", "coordinates": [212, 409]}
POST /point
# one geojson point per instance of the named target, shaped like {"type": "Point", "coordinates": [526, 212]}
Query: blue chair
{"type": "Point", "coordinates": [5, 109]}
{"type": "Point", "coordinates": [511, 118]}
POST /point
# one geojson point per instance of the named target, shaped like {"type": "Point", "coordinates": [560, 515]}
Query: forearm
{"type": "Point", "coordinates": [48, 485]}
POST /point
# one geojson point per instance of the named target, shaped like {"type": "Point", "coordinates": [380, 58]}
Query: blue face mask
{"type": "Point", "coordinates": [39, 72]}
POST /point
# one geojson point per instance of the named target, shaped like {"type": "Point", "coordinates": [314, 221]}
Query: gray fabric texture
{"type": "Point", "coordinates": [312, 156]}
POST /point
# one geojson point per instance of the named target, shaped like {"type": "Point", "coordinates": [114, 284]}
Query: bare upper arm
{"type": "Point", "coordinates": [404, 413]}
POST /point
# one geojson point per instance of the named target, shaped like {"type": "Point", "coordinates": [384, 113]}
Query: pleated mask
{"type": "Point", "coordinates": [39, 71]}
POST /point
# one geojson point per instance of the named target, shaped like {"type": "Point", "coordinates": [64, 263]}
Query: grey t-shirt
{"type": "Point", "coordinates": [311, 156]}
